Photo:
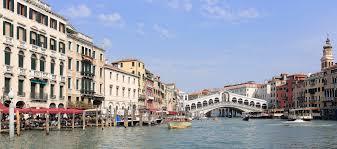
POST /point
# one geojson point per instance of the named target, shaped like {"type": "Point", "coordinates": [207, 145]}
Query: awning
{"type": "Point", "coordinates": [172, 113]}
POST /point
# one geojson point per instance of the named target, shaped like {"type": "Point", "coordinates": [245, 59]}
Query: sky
{"type": "Point", "coordinates": [201, 44]}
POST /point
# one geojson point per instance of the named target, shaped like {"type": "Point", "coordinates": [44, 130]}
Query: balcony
{"type": "Point", "coordinates": [9, 41]}
{"type": "Point", "coordinates": [87, 58]}
{"type": "Point", "coordinates": [8, 69]}
{"type": "Point", "coordinates": [52, 96]}
{"type": "Point", "coordinates": [39, 97]}
{"type": "Point", "coordinates": [63, 79]}
{"type": "Point", "coordinates": [22, 72]}
{"type": "Point", "coordinates": [35, 47]}
{"type": "Point", "coordinates": [87, 74]}
{"type": "Point", "coordinates": [36, 74]}
{"type": "Point", "coordinates": [22, 44]}
{"type": "Point", "coordinates": [53, 77]}
{"type": "Point", "coordinates": [62, 97]}
{"type": "Point", "coordinates": [21, 94]}
{"type": "Point", "coordinates": [87, 92]}
{"type": "Point", "coordinates": [45, 75]}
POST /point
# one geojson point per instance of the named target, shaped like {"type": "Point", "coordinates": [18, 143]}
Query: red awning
{"type": "Point", "coordinates": [173, 113]}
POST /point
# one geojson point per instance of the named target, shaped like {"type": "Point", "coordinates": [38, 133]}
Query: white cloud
{"type": "Point", "coordinates": [106, 43]}
{"type": "Point", "coordinates": [163, 32]}
{"type": "Point", "coordinates": [216, 10]}
{"type": "Point", "coordinates": [185, 5]}
{"type": "Point", "coordinates": [111, 19]}
{"type": "Point", "coordinates": [78, 11]}
{"type": "Point", "coordinates": [140, 28]}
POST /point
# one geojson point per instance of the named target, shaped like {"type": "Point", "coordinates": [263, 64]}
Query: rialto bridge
{"type": "Point", "coordinates": [226, 100]}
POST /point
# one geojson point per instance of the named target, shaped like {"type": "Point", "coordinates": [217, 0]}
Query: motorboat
{"type": "Point", "coordinates": [179, 123]}
{"type": "Point", "coordinates": [246, 118]}
{"type": "Point", "coordinates": [300, 114]}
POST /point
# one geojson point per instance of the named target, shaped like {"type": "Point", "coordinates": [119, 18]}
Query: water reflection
{"type": "Point", "coordinates": [224, 133]}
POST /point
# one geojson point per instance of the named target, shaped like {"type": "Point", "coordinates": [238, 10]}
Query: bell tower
{"type": "Point", "coordinates": [327, 59]}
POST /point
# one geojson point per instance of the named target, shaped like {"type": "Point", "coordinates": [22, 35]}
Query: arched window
{"type": "Point", "coordinates": [21, 59]}
{"type": "Point", "coordinates": [33, 62]}
{"type": "Point", "coordinates": [7, 56]}
{"type": "Point", "coordinates": [61, 68]}
{"type": "Point", "coordinates": [42, 64]}
{"type": "Point", "coordinates": [52, 66]}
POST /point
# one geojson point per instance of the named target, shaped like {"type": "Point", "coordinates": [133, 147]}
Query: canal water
{"type": "Point", "coordinates": [220, 134]}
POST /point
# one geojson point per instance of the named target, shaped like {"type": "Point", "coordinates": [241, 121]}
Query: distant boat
{"type": "Point", "coordinates": [300, 114]}
{"type": "Point", "coordinates": [246, 118]}
{"type": "Point", "coordinates": [179, 123]}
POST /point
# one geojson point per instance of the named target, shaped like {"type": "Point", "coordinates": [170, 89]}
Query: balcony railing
{"type": "Point", "coordinates": [53, 77]}
{"type": "Point", "coordinates": [87, 74]}
{"type": "Point", "coordinates": [34, 47]}
{"type": "Point", "coordinates": [39, 97]}
{"type": "Point", "coordinates": [22, 44]}
{"type": "Point", "coordinates": [87, 92]}
{"type": "Point", "coordinates": [8, 69]}
{"type": "Point", "coordinates": [22, 71]}
{"type": "Point", "coordinates": [9, 40]}
{"type": "Point", "coordinates": [36, 74]}
{"type": "Point", "coordinates": [45, 75]}
{"type": "Point", "coordinates": [52, 96]}
{"type": "Point", "coordinates": [62, 97]}
{"type": "Point", "coordinates": [63, 79]}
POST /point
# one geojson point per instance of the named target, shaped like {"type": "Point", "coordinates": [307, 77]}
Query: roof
{"type": "Point", "coordinates": [127, 60]}
{"type": "Point", "coordinates": [119, 70]}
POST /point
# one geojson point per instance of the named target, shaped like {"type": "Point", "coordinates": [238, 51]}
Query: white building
{"type": "Point", "coordinates": [121, 90]}
{"type": "Point", "coordinates": [248, 89]}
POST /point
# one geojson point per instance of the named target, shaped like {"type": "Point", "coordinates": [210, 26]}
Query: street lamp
{"type": "Point", "coordinates": [11, 114]}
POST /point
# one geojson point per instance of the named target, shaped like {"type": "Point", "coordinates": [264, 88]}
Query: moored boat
{"type": "Point", "coordinates": [300, 114]}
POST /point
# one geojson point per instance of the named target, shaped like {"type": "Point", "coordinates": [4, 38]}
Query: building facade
{"type": "Point", "coordinates": [38, 55]}
{"type": "Point", "coordinates": [121, 90]}
{"type": "Point", "coordinates": [248, 89]}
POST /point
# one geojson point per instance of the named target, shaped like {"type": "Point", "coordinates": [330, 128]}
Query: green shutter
{"type": "Point", "coordinates": [12, 30]}
{"type": "Point", "coordinates": [4, 28]}
{"type": "Point", "coordinates": [12, 5]}
{"type": "Point", "coordinates": [25, 11]}
{"type": "Point", "coordinates": [18, 8]}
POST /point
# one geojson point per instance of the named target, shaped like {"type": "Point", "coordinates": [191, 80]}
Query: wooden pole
{"type": "Point", "coordinates": [59, 121]}
{"type": "Point", "coordinates": [115, 118]}
{"type": "Point", "coordinates": [47, 123]}
{"type": "Point", "coordinates": [73, 121]}
{"type": "Point", "coordinates": [133, 117]}
{"type": "Point", "coordinates": [140, 118]}
{"type": "Point", "coordinates": [126, 118]}
{"type": "Point", "coordinates": [110, 119]}
{"type": "Point", "coordinates": [18, 124]}
{"type": "Point", "coordinates": [83, 117]}
{"type": "Point", "coordinates": [96, 116]}
{"type": "Point", "coordinates": [0, 120]}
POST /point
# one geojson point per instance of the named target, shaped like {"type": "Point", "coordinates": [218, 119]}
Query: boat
{"type": "Point", "coordinates": [246, 118]}
{"type": "Point", "coordinates": [300, 114]}
{"type": "Point", "coordinates": [179, 123]}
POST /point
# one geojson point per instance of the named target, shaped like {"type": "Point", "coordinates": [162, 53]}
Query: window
{"type": "Point", "coordinates": [53, 23]}
{"type": "Point", "coordinates": [138, 64]}
{"type": "Point", "coordinates": [129, 94]}
{"type": "Point", "coordinates": [77, 84]}
{"type": "Point", "coordinates": [101, 57]}
{"type": "Point", "coordinates": [123, 78]}
{"type": "Point", "coordinates": [62, 28]}
{"type": "Point", "coordinates": [42, 64]}
{"type": "Point", "coordinates": [53, 44]}
{"type": "Point", "coordinates": [94, 54]}
{"type": "Point", "coordinates": [100, 88]}
{"type": "Point", "coordinates": [69, 45]}
{"type": "Point", "coordinates": [69, 63]}
{"type": "Point", "coordinates": [129, 80]}
{"type": "Point", "coordinates": [7, 85]}
{"type": "Point", "coordinates": [116, 77]}
{"type": "Point", "coordinates": [8, 4]}
{"type": "Point", "coordinates": [123, 92]}
{"type": "Point", "coordinates": [21, 34]}
{"type": "Point", "coordinates": [33, 38]}
{"type": "Point", "coordinates": [101, 72]}
{"type": "Point", "coordinates": [21, 59]}
{"type": "Point", "coordinates": [22, 9]}
{"type": "Point", "coordinates": [121, 65]}
{"type": "Point", "coordinates": [77, 66]}
{"type": "Point", "coordinates": [20, 88]}
{"type": "Point", "coordinates": [7, 29]}
{"type": "Point", "coordinates": [52, 66]}
{"type": "Point", "coordinates": [133, 72]}
{"type": "Point", "coordinates": [61, 92]}
{"type": "Point", "coordinates": [43, 41]}
{"type": "Point", "coordinates": [117, 88]}
{"type": "Point", "coordinates": [69, 83]}
{"type": "Point", "coordinates": [78, 48]}
{"type": "Point", "coordinates": [133, 64]}
{"type": "Point", "coordinates": [110, 90]}
{"type": "Point", "coordinates": [62, 48]}
{"type": "Point", "coordinates": [52, 88]}
{"type": "Point", "coordinates": [61, 68]}
{"type": "Point", "coordinates": [33, 62]}
{"type": "Point", "coordinates": [7, 56]}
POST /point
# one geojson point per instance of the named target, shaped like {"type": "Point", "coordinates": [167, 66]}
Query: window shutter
{"type": "Point", "coordinates": [31, 35]}
{"type": "Point", "coordinates": [18, 8]}
{"type": "Point", "coordinates": [4, 28]}
{"type": "Point", "coordinates": [45, 42]}
{"type": "Point", "coordinates": [17, 32]}
{"type": "Point", "coordinates": [24, 35]}
{"type": "Point", "coordinates": [25, 9]}
{"type": "Point", "coordinates": [38, 40]}
{"type": "Point", "coordinates": [12, 30]}
{"type": "Point", "coordinates": [46, 21]}
{"type": "Point", "coordinates": [12, 5]}
{"type": "Point", "coordinates": [30, 13]}
{"type": "Point", "coordinates": [4, 3]}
